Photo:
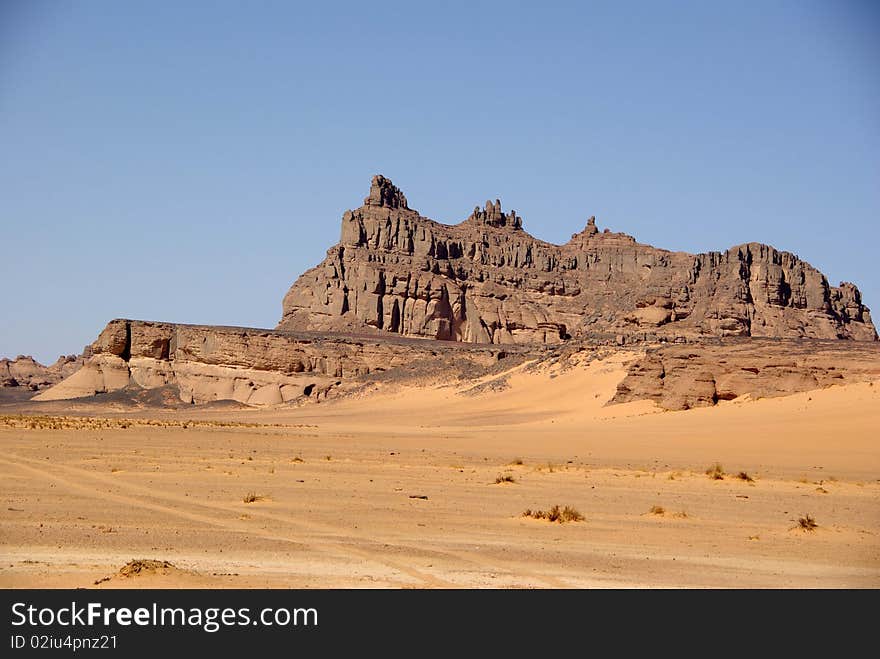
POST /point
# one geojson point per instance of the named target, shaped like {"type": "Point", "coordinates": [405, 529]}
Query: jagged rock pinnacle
{"type": "Point", "coordinates": [399, 272]}
{"type": "Point", "coordinates": [493, 216]}
{"type": "Point", "coordinates": [384, 193]}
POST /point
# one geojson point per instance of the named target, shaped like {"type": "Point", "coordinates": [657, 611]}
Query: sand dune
{"type": "Point", "coordinates": [397, 487]}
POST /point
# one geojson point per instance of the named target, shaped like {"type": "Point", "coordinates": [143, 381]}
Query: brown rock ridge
{"type": "Point", "coordinates": [485, 280]}
{"type": "Point", "coordinates": [24, 371]}
{"type": "Point", "coordinates": [680, 377]}
{"type": "Point", "coordinates": [202, 364]}
{"type": "Point", "coordinates": [257, 367]}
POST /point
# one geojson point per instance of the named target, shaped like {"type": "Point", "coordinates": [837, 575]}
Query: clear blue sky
{"type": "Point", "coordinates": [186, 161]}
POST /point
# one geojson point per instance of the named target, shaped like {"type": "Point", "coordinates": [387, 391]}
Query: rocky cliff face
{"type": "Point", "coordinates": [485, 280]}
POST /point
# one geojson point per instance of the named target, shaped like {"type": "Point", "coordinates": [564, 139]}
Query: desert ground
{"type": "Point", "coordinates": [410, 486]}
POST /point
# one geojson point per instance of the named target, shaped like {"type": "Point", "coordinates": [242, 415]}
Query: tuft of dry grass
{"type": "Point", "coordinates": [504, 478]}
{"type": "Point", "coordinates": [297, 459]}
{"type": "Point", "coordinates": [807, 523]}
{"type": "Point", "coordinates": [658, 510]}
{"type": "Point", "coordinates": [252, 497]}
{"type": "Point", "coordinates": [555, 514]}
{"type": "Point", "coordinates": [743, 476]}
{"type": "Point", "coordinates": [716, 472]}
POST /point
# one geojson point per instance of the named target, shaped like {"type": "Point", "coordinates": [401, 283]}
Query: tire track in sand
{"type": "Point", "coordinates": [339, 548]}
{"type": "Point", "coordinates": [187, 504]}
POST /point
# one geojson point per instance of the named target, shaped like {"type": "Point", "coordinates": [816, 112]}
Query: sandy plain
{"type": "Point", "coordinates": [396, 487]}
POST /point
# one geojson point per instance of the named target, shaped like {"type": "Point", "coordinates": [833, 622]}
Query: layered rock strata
{"type": "Point", "coordinates": [257, 367]}
{"type": "Point", "coordinates": [485, 280]}
{"type": "Point", "coordinates": [680, 377]}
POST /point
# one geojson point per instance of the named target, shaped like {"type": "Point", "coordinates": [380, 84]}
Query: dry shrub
{"type": "Point", "coordinates": [555, 514]}
{"type": "Point", "coordinates": [807, 523]}
{"type": "Point", "coordinates": [716, 472]}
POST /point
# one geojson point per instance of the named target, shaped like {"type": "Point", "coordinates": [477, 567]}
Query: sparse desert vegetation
{"type": "Point", "coordinates": [744, 476]}
{"type": "Point", "coordinates": [807, 523]}
{"type": "Point", "coordinates": [716, 472]}
{"type": "Point", "coordinates": [178, 485]}
{"type": "Point", "coordinates": [555, 514]}
{"type": "Point", "coordinates": [64, 422]}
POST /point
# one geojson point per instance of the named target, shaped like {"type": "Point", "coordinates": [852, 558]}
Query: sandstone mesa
{"type": "Point", "coordinates": [485, 290]}
{"type": "Point", "coordinates": [486, 280]}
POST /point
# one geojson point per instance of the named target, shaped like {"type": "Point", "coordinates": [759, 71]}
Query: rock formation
{"type": "Point", "coordinates": [257, 367]}
{"type": "Point", "coordinates": [682, 377]}
{"type": "Point", "coordinates": [201, 364]}
{"type": "Point", "coordinates": [397, 277]}
{"type": "Point", "coordinates": [485, 280]}
{"type": "Point", "coordinates": [25, 371]}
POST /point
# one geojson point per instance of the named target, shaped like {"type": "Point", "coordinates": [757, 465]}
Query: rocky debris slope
{"type": "Point", "coordinates": [257, 367]}
{"type": "Point", "coordinates": [24, 371]}
{"type": "Point", "coordinates": [485, 280]}
{"type": "Point", "coordinates": [679, 377]}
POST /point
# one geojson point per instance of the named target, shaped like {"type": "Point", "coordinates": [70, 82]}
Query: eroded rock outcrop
{"type": "Point", "coordinates": [485, 280]}
{"type": "Point", "coordinates": [25, 371]}
{"type": "Point", "coordinates": [396, 277]}
{"type": "Point", "coordinates": [680, 377]}
{"type": "Point", "coordinates": [257, 367]}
